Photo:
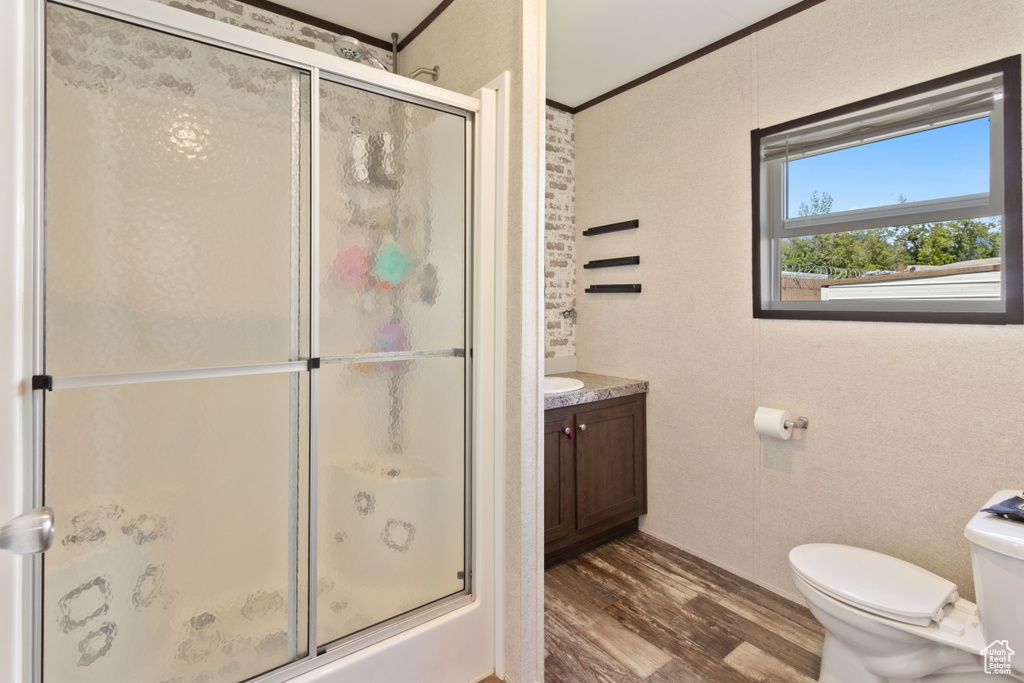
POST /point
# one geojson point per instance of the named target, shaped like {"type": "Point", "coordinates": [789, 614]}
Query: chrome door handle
{"type": "Point", "coordinates": [28, 533]}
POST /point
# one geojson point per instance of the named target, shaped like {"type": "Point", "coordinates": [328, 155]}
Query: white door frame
{"type": "Point", "coordinates": [462, 645]}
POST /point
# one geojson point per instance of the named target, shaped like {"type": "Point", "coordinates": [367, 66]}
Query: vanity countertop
{"type": "Point", "coordinates": [595, 388]}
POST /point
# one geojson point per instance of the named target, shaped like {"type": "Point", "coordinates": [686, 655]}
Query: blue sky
{"type": "Point", "coordinates": [943, 162]}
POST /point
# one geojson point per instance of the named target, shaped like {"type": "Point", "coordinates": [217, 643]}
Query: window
{"type": "Point", "coordinates": [902, 207]}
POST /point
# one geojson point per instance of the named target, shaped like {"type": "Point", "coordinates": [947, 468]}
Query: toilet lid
{"type": "Point", "coordinates": [874, 582]}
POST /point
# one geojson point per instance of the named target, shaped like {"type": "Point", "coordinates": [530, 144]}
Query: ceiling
{"type": "Point", "coordinates": [597, 45]}
{"type": "Point", "coordinates": [593, 45]}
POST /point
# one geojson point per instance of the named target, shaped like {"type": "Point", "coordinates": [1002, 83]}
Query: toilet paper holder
{"type": "Point", "coordinates": [799, 423]}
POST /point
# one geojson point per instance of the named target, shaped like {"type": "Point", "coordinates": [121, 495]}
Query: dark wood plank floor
{"type": "Point", "coordinates": [638, 609]}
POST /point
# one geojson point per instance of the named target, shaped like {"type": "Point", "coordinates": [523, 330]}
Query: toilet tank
{"type": "Point", "coordinates": [997, 553]}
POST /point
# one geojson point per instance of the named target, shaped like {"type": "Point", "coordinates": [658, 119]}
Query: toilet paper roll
{"type": "Point", "coordinates": [772, 422]}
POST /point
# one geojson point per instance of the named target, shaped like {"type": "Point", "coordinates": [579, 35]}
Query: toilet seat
{"type": "Point", "coordinates": [876, 583]}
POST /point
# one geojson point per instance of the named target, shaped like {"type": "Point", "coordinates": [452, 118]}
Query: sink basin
{"type": "Point", "coordinates": [560, 385]}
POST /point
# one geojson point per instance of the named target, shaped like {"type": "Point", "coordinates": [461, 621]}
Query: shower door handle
{"type": "Point", "coordinates": [28, 533]}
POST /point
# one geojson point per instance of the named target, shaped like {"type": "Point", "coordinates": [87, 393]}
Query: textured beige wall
{"type": "Point", "coordinates": [912, 427]}
{"type": "Point", "coordinates": [473, 41]}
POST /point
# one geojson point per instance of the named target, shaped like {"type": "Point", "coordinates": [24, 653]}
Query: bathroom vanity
{"type": "Point", "coordinates": [595, 464]}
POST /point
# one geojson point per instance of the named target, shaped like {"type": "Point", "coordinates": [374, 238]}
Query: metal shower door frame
{"type": "Point", "coordinates": [318, 65]}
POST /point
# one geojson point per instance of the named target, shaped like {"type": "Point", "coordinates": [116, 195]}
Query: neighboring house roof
{"type": "Point", "coordinates": [915, 272]}
{"type": "Point", "coordinates": [979, 279]}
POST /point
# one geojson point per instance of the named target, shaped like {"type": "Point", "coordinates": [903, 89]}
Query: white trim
{"type": "Point", "coordinates": [911, 213]}
{"type": "Point", "coordinates": [996, 154]}
{"type": "Point", "coordinates": [334, 655]}
{"type": "Point", "coordinates": [895, 306]}
{"type": "Point", "coordinates": [18, 36]}
{"type": "Point", "coordinates": [534, 32]}
{"type": "Point", "coordinates": [501, 86]}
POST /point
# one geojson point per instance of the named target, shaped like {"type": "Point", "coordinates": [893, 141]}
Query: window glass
{"type": "Point", "coordinates": [956, 259]}
{"type": "Point", "coordinates": [943, 162]}
{"type": "Point", "coordinates": [903, 207]}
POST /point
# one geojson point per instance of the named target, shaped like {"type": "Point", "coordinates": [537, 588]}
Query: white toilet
{"type": "Point", "coordinates": [889, 620]}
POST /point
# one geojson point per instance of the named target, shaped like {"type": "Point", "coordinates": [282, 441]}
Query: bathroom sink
{"type": "Point", "coordinates": [560, 385]}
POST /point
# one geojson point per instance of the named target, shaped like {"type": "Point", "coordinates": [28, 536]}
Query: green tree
{"type": "Point", "coordinates": [861, 250]}
{"type": "Point", "coordinates": [818, 205]}
{"type": "Point", "coordinates": [883, 248]}
{"type": "Point", "coordinates": [937, 244]}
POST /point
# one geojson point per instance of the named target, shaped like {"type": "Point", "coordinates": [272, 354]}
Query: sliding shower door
{"type": "Point", "coordinates": [174, 438]}
{"type": "Point", "coordinates": [254, 369]}
{"type": "Point", "coordinates": [392, 333]}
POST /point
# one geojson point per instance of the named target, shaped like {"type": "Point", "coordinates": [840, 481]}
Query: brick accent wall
{"type": "Point", "coordinates": [559, 235]}
{"type": "Point", "coordinates": [270, 24]}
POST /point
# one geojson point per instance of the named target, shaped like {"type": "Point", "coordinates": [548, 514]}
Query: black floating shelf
{"type": "Point", "coordinates": [601, 229]}
{"type": "Point", "coordinates": [608, 289]}
{"type": "Point", "coordinates": [609, 262]}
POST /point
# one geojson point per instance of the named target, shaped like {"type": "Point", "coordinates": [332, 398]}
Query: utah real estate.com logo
{"type": "Point", "coordinates": [997, 657]}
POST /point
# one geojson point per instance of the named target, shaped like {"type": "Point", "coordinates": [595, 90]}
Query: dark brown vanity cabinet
{"type": "Point", "coordinates": [595, 474]}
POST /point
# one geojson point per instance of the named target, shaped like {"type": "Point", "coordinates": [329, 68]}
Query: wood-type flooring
{"type": "Point", "coordinates": [638, 609]}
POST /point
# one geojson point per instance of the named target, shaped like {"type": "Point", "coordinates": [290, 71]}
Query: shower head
{"type": "Point", "coordinates": [350, 48]}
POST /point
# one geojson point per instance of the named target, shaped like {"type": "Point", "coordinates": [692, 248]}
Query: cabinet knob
{"type": "Point", "coordinates": [583, 428]}
{"type": "Point", "coordinates": [568, 432]}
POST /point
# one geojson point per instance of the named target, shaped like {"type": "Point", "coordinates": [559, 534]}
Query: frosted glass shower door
{"type": "Point", "coordinates": [176, 427]}
{"type": "Point", "coordinates": [253, 355]}
{"type": "Point", "coordinates": [392, 424]}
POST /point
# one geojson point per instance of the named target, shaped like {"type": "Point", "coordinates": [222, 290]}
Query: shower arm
{"type": "Point", "coordinates": [435, 73]}
{"type": "Point", "coordinates": [394, 53]}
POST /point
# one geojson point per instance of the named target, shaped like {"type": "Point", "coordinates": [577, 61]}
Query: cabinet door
{"type": "Point", "coordinates": [610, 465]}
{"type": "Point", "coordinates": [559, 487]}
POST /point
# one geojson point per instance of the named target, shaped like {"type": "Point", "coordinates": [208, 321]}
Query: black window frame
{"type": "Point", "coordinates": [1012, 232]}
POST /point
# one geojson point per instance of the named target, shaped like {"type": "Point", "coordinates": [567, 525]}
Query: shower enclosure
{"type": "Point", "coordinates": [254, 333]}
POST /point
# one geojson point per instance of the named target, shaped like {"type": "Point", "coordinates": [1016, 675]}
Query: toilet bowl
{"type": "Point", "coordinates": [889, 620]}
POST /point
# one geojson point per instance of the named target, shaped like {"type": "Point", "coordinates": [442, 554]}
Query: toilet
{"type": "Point", "coordinates": [889, 620]}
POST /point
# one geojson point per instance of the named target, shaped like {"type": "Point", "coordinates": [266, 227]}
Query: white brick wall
{"type": "Point", "coordinates": [559, 235]}
{"type": "Point", "coordinates": [268, 23]}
